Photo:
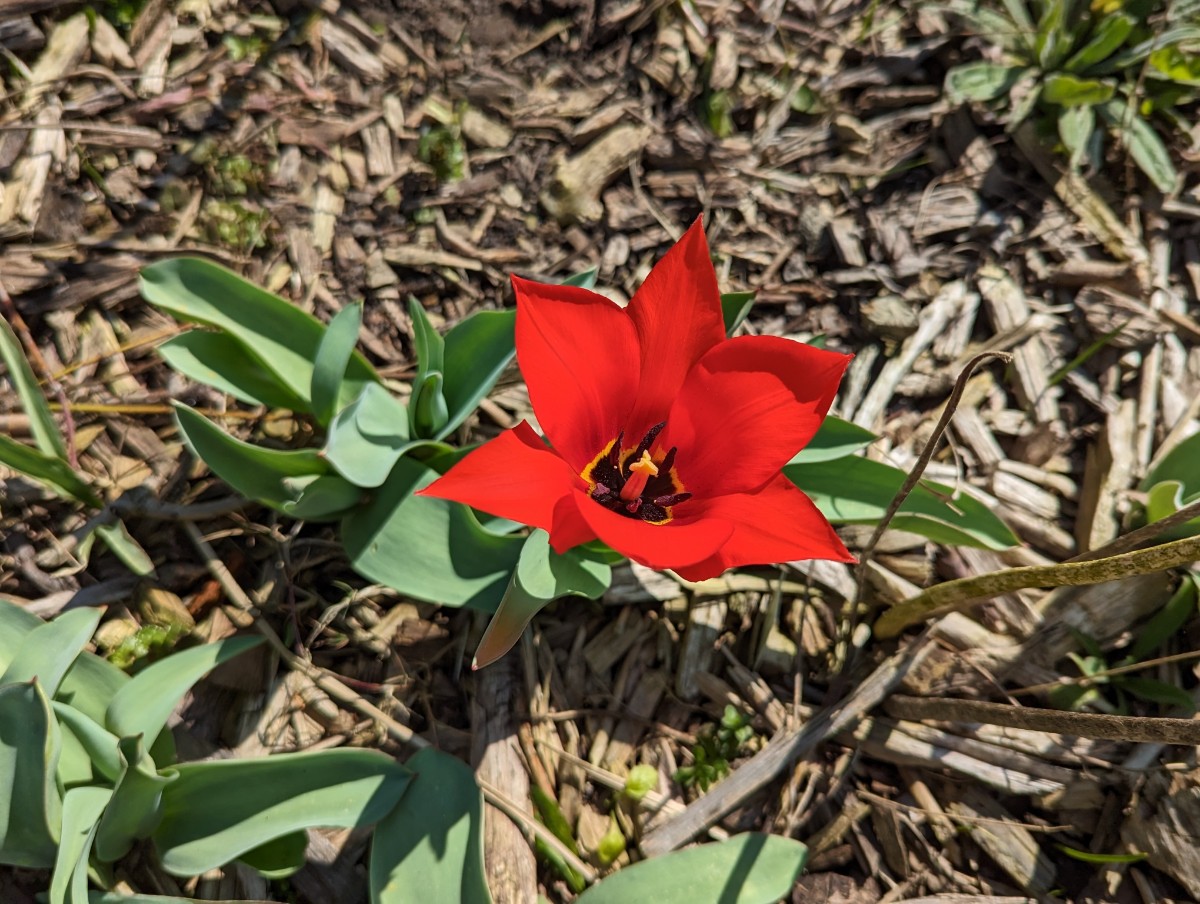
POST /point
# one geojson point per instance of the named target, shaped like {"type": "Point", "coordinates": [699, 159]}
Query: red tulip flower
{"type": "Point", "coordinates": [666, 439]}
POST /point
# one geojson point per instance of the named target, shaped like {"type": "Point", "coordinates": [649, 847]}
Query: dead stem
{"type": "Point", "coordinates": [959, 594]}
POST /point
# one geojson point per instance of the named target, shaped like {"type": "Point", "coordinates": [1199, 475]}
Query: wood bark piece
{"type": "Point", "coordinates": [1107, 476]}
{"type": "Point", "coordinates": [706, 620]}
{"type": "Point", "coordinates": [574, 190]}
{"type": "Point", "coordinates": [1007, 842]}
{"type": "Point", "coordinates": [1165, 824]}
{"type": "Point", "coordinates": [495, 750]}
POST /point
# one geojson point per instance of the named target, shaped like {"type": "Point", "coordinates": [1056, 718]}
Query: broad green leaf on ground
{"type": "Point", "coordinates": [46, 435]}
{"type": "Point", "coordinates": [48, 469]}
{"type": "Point", "coordinates": [322, 497]}
{"type": "Point", "coordinates": [30, 804]}
{"type": "Point", "coordinates": [541, 576]}
{"type": "Point", "coordinates": [747, 869]}
{"type": "Point", "coordinates": [368, 436]}
{"type": "Point", "coordinates": [279, 336]}
{"type": "Point", "coordinates": [98, 897]}
{"type": "Point", "coordinates": [255, 472]}
{"type": "Point", "coordinates": [981, 81]}
{"type": "Point", "coordinates": [216, 811]}
{"type": "Point", "coordinates": [1173, 483]}
{"type": "Point", "coordinates": [855, 490]}
{"type": "Point", "coordinates": [476, 352]}
{"type": "Point", "coordinates": [142, 705]}
{"type": "Point", "coordinates": [433, 839]}
{"type": "Point", "coordinates": [279, 857]}
{"type": "Point", "coordinates": [1110, 34]}
{"type": "Point", "coordinates": [427, 548]}
{"type": "Point", "coordinates": [48, 651]}
{"type": "Point", "coordinates": [735, 307]}
{"type": "Point", "coordinates": [1075, 128]}
{"type": "Point", "coordinates": [136, 804]}
{"type": "Point", "coordinates": [427, 409]}
{"type": "Point", "coordinates": [333, 356]}
{"type": "Point", "coordinates": [218, 360]}
{"type": "Point", "coordinates": [81, 809]}
{"type": "Point", "coordinates": [836, 438]}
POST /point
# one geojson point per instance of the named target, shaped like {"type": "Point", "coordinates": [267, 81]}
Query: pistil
{"type": "Point", "coordinates": [640, 473]}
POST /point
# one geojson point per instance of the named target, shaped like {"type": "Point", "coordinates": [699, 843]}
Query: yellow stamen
{"type": "Point", "coordinates": [640, 472]}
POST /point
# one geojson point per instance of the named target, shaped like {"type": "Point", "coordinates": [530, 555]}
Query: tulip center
{"type": "Point", "coordinates": [639, 482]}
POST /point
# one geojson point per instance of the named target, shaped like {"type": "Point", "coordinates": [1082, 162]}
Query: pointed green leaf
{"type": "Point", "coordinates": [1075, 126]}
{"type": "Point", "coordinates": [217, 811]}
{"type": "Point", "coordinates": [1070, 91]}
{"type": "Point", "coordinates": [100, 744]}
{"type": "Point", "coordinates": [476, 352]}
{"type": "Point", "coordinates": [253, 471]}
{"type": "Point", "coordinates": [1159, 692]}
{"type": "Point", "coordinates": [30, 804]}
{"type": "Point", "coordinates": [1143, 144]}
{"type": "Point", "coordinates": [1109, 35]}
{"type": "Point", "coordinates": [855, 490]}
{"type": "Point", "coordinates": [279, 857]}
{"type": "Point", "coordinates": [81, 809]}
{"type": "Point", "coordinates": [142, 706]}
{"type": "Point", "coordinates": [115, 535]}
{"type": "Point", "coordinates": [136, 805]}
{"type": "Point", "coordinates": [320, 498]}
{"type": "Point", "coordinates": [584, 279]}
{"type": "Point", "coordinates": [836, 438]}
{"type": "Point", "coordinates": [433, 839]}
{"type": "Point", "coordinates": [1167, 621]}
{"type": "Point", "coordinates": [280, 337]}
{"type": "Point", "coordinates": [334, 352]}
{"type": "Point", "coordinates": [746, 869]}
{"type": "Point", "coordinates": [427, 548]}
{"type": "Point", "coordinates": [46, 435]}
{"type": "Point", "coordinates": [218, 360]}
{"type": "Point", "coordinates": [427, 407]}
{"type": "Point", "coordinates": [541, 576]}
{"type": "Point", "coordinates": [735, 307]}
{"type": "Point", "coordinates": [367, 437]}
{"type": "Point", "coordinates": [50, 649]}
{"type": "Point", "coordinates": [48, 469]}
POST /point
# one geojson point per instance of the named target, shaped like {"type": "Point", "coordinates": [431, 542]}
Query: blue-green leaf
{"type": "Point", "coordinates": [476, 352]}
{"type": "Point", "coordinates": [368, 437]}
{"type": "Point", "coordinates": [136, 804]}
{"type": "Point", "coordinates": [735, 307]}
{"type": "Point", "coordinates": [334, 352]}
{"type": "Point", "coordinates": [81, 809]}
{"type": "Point", "coordinates": [49, 650]}
{"type": "Point", "coordinates": [855, 490]}
{"type": "Point", "coordinates": [216, 811]}
{"type": "Point", "coordinates": [46, 435]}
{"type": "Point", "coordinates": [48, 469]}
{"type": "Point", "coordinates": [427, 548]}
{"type": "Point", "coordinates": [142, 706]}
{"type": "Point", "coordinates": [433, 840]}
{"type": "Point", "coordinates": [835, 438]}
{"type": "Point", "coordinates": [218, 360]}
{"type": "Point", "coordinates": [280, 337]}
{"type": "Point", "coordinates": [746, 869]}
{"type": "Point", "coordinates": [30, 804]}
{"type": "Point", "coordinates": [541, 576]}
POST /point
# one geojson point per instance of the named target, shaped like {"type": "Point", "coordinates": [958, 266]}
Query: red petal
{"type": "Point", "coordinates": [656, 546]}
{"type": "Point", "coordinates": [746, 408]}
{"type": "Point", "coordinates": [513, 476]}
{"type": "Point", "coordinates": [570, 528]}
{"type": "Point", "coordinates": [776, 524]}
{"type": "Point", "coordinates": [579, 355]}
{"type": "Point", "coordinates": [677, 312]}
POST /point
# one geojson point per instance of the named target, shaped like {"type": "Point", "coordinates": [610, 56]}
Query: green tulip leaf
{"type": "Point", "coordinates": [1070, 91]}
{"type": "Point", "coordinates": [49, 649]}
{"type": "Point", "coordinates": [49, 469]}
{"type": "Point", "coordinates": [427, 548]}
{"type": "Point", "coordinates": [46, 435]}
{"type": "Point", "coordinates": [253, 471]}
{"type": "Point", "coordinates": [99, 745]}
{"type": "Point", "coordinates": [747, 869]}
{"type": "Point", "coordinates": [81, 810]}
{"type": "Point", "coordinates": [219, 810]}
{"type": "Point", "coordinates": [334, 352]}
{"type": "Point", "coordinates": [367, 437]}
{"type": "Point", "coordinates": [277, 335]}
{"type": "Point", "coordinates": [30, 803]}
{"type": "Point", "coordinates": [856, 490]}
{"type": "Point", "coordinates": [541, 576]}
{"type": "Point", "coordinates": [136, 804]}
{"type": "Point", "coordinates": [432, 840]}
{"type": "Point", "coordinates": [279, 857]}
{"type": "Point", "coordinates": [835, 438]}
{"type": "Point", "coordinates": [320, 497]}
{"type": "Point", "coordinates": [735, 307]}
{"type": "Point", "coordinates": [142, 706]}
{"type": "Point", "coordinates": [218, 360]}
{"type": "Point", "coordinates": [476, 352]}
{"type": "Point", "coordinates": [584, 279]}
